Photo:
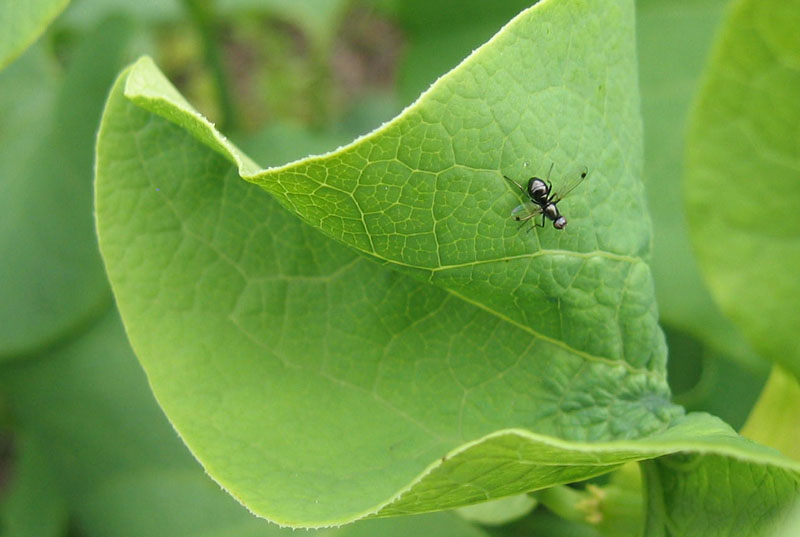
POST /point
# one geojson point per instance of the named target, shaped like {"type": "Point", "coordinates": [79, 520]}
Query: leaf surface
{"type": "Point", "coordinates": [113, 464]}
{"type": "Point", "coordinates": [51, 278]}
{"type": "Point", "coordinates": [673, 40]}
{"type": "Point", "coordinates": [425, 193]}
{"type": "Point", "coordinates": [743, 176]}
{"type": "Point", "coordinates": [319, 387]}
{"type": "Point", "coordinates": [711, 493]}
{"type": "Point", "coordinates": [774, 420]}
{"type": "Point", "coordinates": [22, 22]}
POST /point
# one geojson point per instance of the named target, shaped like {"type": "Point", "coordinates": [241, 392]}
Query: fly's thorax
{"type": "Point", "coordinates": [538, 190]}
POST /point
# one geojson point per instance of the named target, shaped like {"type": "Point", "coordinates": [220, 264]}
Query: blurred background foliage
{"type": "Point", "coordinates": [85, 448]}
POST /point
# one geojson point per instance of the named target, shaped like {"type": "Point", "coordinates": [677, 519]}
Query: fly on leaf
{"type": "Point", "coordinates": [542, 199]}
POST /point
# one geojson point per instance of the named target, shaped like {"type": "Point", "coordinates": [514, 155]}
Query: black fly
{"type": "Point", "coordinates": [542, 200]}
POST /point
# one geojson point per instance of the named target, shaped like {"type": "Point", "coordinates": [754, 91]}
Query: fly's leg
{"type": "Point", "coordinates": [519, 186]}
{"type": "Point", "coordinates": [534, 225]}
{"type": "Point", "coordinates": [529, 218]}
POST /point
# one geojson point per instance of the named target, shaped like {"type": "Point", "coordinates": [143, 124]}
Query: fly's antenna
{"type": "Point", "coordinates": [550, 170]}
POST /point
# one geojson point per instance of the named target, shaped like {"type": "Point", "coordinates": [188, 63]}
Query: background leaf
{"type": "Point", "coordinates": [774, 420]}
{"type": "Point", "coordinates": [52, 279]}
{"type": "Point", "coordinates": [708, 495]}
{"type": "Point", "coordinates": [116, 464]}
{"type": "Point", "coordinates": [22, 22]}
{"type": "Point", "coordinates": [743, 176]}
{"type": "Point", "coordinates": [709, 358]}
{"type": "Point", "coordinates": [442, 34]}
{"type": "Point", "coordinates": [673, 41]}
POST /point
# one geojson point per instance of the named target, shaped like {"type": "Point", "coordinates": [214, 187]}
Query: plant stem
{"type": "Point", "coordinates": [202, 15]}
{"type": "Point", "coordinates": [564, 501]}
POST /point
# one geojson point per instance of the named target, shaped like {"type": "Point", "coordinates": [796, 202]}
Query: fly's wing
{"type": "Point", "coordinates": [526, 211]}
{"type": "Point", "coordinates": [577, 178]}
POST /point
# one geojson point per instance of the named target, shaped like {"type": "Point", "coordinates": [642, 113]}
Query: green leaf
{"type": "Point", "coordinates": [708, 495]}
{"type": "Point", "coordinates": [88, 14]}
{"type": "Point", "coordinates": [791, 526]}
{"type": "Point", "coordinates": [187, 503]}
{"type": "Point", "coordinates": [116, 462]}
{"type": "Point", "coordinates": [673, 39]}
{"type": "Point", "coordinates": [51, 278]}
{"type": "Point", "coordinates": [743, 176]}
{"type": "Point", "coordinates": [22, 22]}
{"type": "Point", "coordinates": [298, 369]}
{"type": "Point", "coordinates": [434, 206]}
{"type": "Point", "coordinates": [709, 378]}
{"type": "Point", "coordinates": [88, 402]}
{"type": "Point", "coordinates": [774, 421]}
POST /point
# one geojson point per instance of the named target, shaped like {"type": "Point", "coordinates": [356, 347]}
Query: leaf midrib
{"type": "Point", "coordinates": [532, 255]}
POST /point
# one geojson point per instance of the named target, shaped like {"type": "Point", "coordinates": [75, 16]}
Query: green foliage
{"type": "Point", "coordinates": [742, 179]}
{"type": "Point", "coordinates": [711, 507]}
{"type": "Point", "coordinates": [115, 462]}
{"type": "Point", "coordinates": [668, 85]}
{"type": "Point", "coordinates": [293, 311]}
{"type": "Point", "coordinates": [774, 420]}
{"type": "Point", "coordinates": [22, 21]}
{"type": "Point", "coordinates": [46, 147]}
{"type": "Point", "coordinates": [367, 333]}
